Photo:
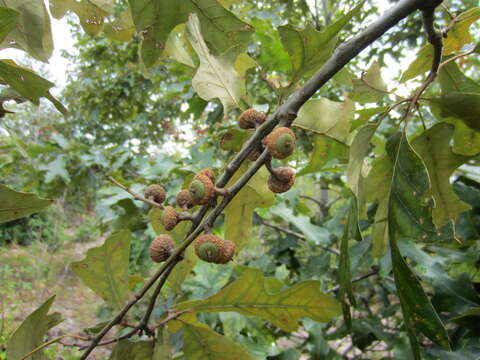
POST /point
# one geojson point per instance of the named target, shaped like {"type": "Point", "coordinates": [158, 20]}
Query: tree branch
{"type": "Point", "coordinates": [284, 115]}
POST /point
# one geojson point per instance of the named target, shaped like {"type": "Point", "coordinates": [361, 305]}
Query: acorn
{"type": "Point", "coordinates": [202, 189]}
{"type": "Point", "coordinates": [251, 118]}
{"type": "Point", "coordinates": [281, 180]}
{"type": "Point", "coordinates": [228, 250]}
{"type": "Point", "coordinates": [184, 199]}
{"type": "Point", "coordinates": [209, 248]}
{"type": "Point", "coordinates": [280, 142]}
{"type": "Point", "coordinates": [155, 192]}
{"type": "Point", "coordinates": [161, 248]}
{"type": "Point", "coordinates": [169, 218]}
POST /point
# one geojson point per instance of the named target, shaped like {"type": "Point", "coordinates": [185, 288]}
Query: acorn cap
{"type": "Point", "coordinates": [282, 181]}
{"type": "Point", "coordinates": [209, 248]}
{"type": "Point", "coordinates": [202, 189]}
{"type": "Point", "coordinates": [161, 248]}
{"type": "Point", "coordinates": [250, 118]}
{"type": "Point", "coordinates": [155, 192]}
{"type": "Point", "coordinates": [184, 199]}
{"type": "Point", "coordinates": [280, 142]}
{"type": "Point", "coordinates": [208, 173]}
{"type": "Point", "coordinates": [228, 250]}
{"type": "Point", "coordinates": [169, 218]}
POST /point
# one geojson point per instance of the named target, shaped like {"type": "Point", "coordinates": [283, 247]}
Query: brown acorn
{"type": "Point", "coordinates": [228, 250]}
{"type": "Point", "coordinates": [282, 179]}
{"type": "Point", "coordinates": [209, 248]}
{"type": "Point", "coordinates": [208, 173]}
{"type": "Point", "coordinates": [169, 218]}
{"type": "Point", "coordinates": [184, 199]}
{"type": "Point", "coordinates": [155, 192]}
{"type": "Point", "coordinates": [202, 189]}
{"type": "Point", "coordinates": [250, 118]}
{"type": "Point", "coordinates": [280, 142]}
{"type": "Point", "coordinates": [161, 248]}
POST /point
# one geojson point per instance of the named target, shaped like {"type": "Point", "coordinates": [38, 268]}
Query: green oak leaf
{"type": "Point", "coordinates": [216, 77]}
{"type": "Point", "coordinates": [178, 47]}
{"type": "Point", "coordinates": [8, 21]}
{"type": "Point", "coordinates": [30, 334]}
{"type": "Point", "coordinates": [91, 13]}
{"type": "Point", "coordinates": [326, 117]}
{"type": "Point", "coordinates": [105, 268]}
{"type": "Point", "coordinates": [421, 64]}
{"type": "Point", "coordinates": [466, 141]}
{"type": "Point", "coordinates": [357, 168]}
{"type": "Point", "coordinates": [204, 343]}
{"type": "Point", "coordinates": [32, 32]}
{"type": "Point", "coordinates": [325, 149]}
{"type": "Point", "coordinates": [433, 146]}
{"type": "Point", "coordinates": [15, 205]}
{"type": "Point", "coordinates": [239, 212]}
{"type": "Point", "coordinates": [408, 217]}
{"type": "Point", "coordinates": [459, 35]}
{"type": "Point", "coordinates": [452, 80]}
{"type": "Point", "coordinates": [248, 296]}
{"type": "Point", "coordinates": [409, 200]}
{"type": "Point", "coordinates": [155, 19]}
{"type": "Point", "coordinates": [376, 188]}
{"type": "Point", "coordinates": [371, 87]}
{"type": "Point", "coordinates": [351, 232]}
{"type": "Point", "coordinates": [132, 350]}
{"type": "Point", "coordinates": [27, 83]}
{"type": "Point", "coordinates": [122, 29]}
{"type": "Point", "coordinates": [309, 49]}
{"type": "Point", "coordinates": [232, 140]}
{"type": "Point", "coordinates": [460, 105]}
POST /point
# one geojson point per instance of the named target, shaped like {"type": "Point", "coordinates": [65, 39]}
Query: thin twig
{"type": "Point", "coordinates": [181, 215]}
{"type": "Point", "coordinates": [133, 193]}
{"type": "Point", "coordinates": [435, 38]}
{"type": "Point", "coordinates": [357, 279]}
{"type": "Point", "coordinates": [50, 342]}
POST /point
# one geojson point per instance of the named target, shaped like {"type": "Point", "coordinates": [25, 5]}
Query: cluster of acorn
{"type": "Point", "coordinates": [280, 144]}
{"type": "Point", "coordinates": [208, 247]}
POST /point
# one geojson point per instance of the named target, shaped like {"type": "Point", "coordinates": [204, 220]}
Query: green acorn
{"type": "Point", "coordinates": [208, 247]}
{"type": "Point", "coordinates": [202, 189]}
{"type": "Point", "coordinates": [280, 142]}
